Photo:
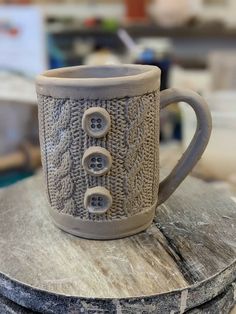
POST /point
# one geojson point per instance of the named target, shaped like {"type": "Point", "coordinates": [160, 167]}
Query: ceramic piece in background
{"type": "Point", "coordinates": [171, 13]}
{"type": "Point", "coordinates": [218, 161]}
{"type": "Point", "coordinates": [136, 10]}
{"type": "Point", "coordinates": [222, 66]}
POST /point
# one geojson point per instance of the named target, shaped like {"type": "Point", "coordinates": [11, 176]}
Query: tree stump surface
{"type": "Point", "coordinates": [184, 263]}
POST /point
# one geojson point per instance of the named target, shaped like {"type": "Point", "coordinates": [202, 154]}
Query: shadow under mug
{"type": "Point", "coordinates": [99, 135]}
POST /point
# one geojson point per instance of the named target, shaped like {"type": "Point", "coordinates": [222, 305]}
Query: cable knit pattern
{"type": "Point", "coordinates": [132, 142]}
{"type": "Point", "coordinates": [62, 161]}
{"type": "Point", "coordinates": [142, 142]}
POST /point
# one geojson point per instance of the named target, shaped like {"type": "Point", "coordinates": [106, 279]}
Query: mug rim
{"type": "Point", "coordinates": [63, 83]}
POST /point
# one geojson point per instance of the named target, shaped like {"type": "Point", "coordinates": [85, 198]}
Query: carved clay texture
{"type": "Point", "coordinates": [133, 142]}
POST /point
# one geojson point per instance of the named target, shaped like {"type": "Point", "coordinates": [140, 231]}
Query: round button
{"type": "Point", "coordinates": [96, 122]}
{"type": "Point", "coordinates": [97, 200]}
{"type": "Point", "coordinates": [97, 161]}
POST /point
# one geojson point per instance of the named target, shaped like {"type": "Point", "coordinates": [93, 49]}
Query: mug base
{"type": "Point", "coordinates": [103, 230]}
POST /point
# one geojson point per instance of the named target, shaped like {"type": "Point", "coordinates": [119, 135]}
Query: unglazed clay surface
{"type": "Point", "coordinates": [99, 128]}
{"type": "Point", "coordinates": [132, 142]}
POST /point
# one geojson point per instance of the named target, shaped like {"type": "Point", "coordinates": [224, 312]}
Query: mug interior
{"type": "Point", "coordinates": [87, 72]}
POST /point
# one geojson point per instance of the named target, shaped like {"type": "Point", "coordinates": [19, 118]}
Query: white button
{"type": "Point", "coordinates": [97, 200]}
{"type": "Point", "coordinates": [97, 160]}
{"type": "Point", "coordinates": [96, 122]}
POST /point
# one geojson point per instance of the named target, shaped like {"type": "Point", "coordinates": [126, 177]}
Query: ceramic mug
{"type": "Point", "coordinates": [99, 135]}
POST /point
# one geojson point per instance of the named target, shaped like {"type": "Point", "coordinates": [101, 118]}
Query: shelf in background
{"type": "Point", "coordinates": [208, 30]}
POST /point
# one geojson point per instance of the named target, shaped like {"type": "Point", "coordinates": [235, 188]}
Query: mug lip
{"type": "Point", "coordinates": [137, 80]}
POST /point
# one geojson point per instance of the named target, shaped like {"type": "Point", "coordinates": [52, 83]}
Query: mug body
{"type": "Point", "coordinates": [99, 136]}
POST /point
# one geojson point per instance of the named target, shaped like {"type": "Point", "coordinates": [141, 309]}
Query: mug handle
{"type": "Point", "coordinates": [198, 143]}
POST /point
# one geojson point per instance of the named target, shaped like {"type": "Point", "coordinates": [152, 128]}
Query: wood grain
{"type": "Point", "coordinates": [185, 259]}
{"type": "Point", "coordinates": [9, 307]}
{"type": "Point", "coordinates": [219, 305]}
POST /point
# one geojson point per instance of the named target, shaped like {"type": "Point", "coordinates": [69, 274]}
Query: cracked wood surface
{"type": "Point", "coordinates": [185, 259]}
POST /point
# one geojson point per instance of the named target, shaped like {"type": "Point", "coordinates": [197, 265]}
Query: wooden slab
{"type": "Point", "coordinates": [223, 303]}
{"type": "Point", "coordinates": [185, 259]}
{"type": "Point", "coordinates": [9, 307]}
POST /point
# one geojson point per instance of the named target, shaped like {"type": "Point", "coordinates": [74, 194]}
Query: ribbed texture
{"type": "Point", "coordinates": [133, 142]}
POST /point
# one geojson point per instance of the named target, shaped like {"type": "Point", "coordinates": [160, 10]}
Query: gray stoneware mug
{"type": "Point", "coordinates": [99, 134]}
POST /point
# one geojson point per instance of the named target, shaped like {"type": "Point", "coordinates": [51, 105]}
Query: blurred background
{"type": "Point", "coordinates": [192, 41]}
